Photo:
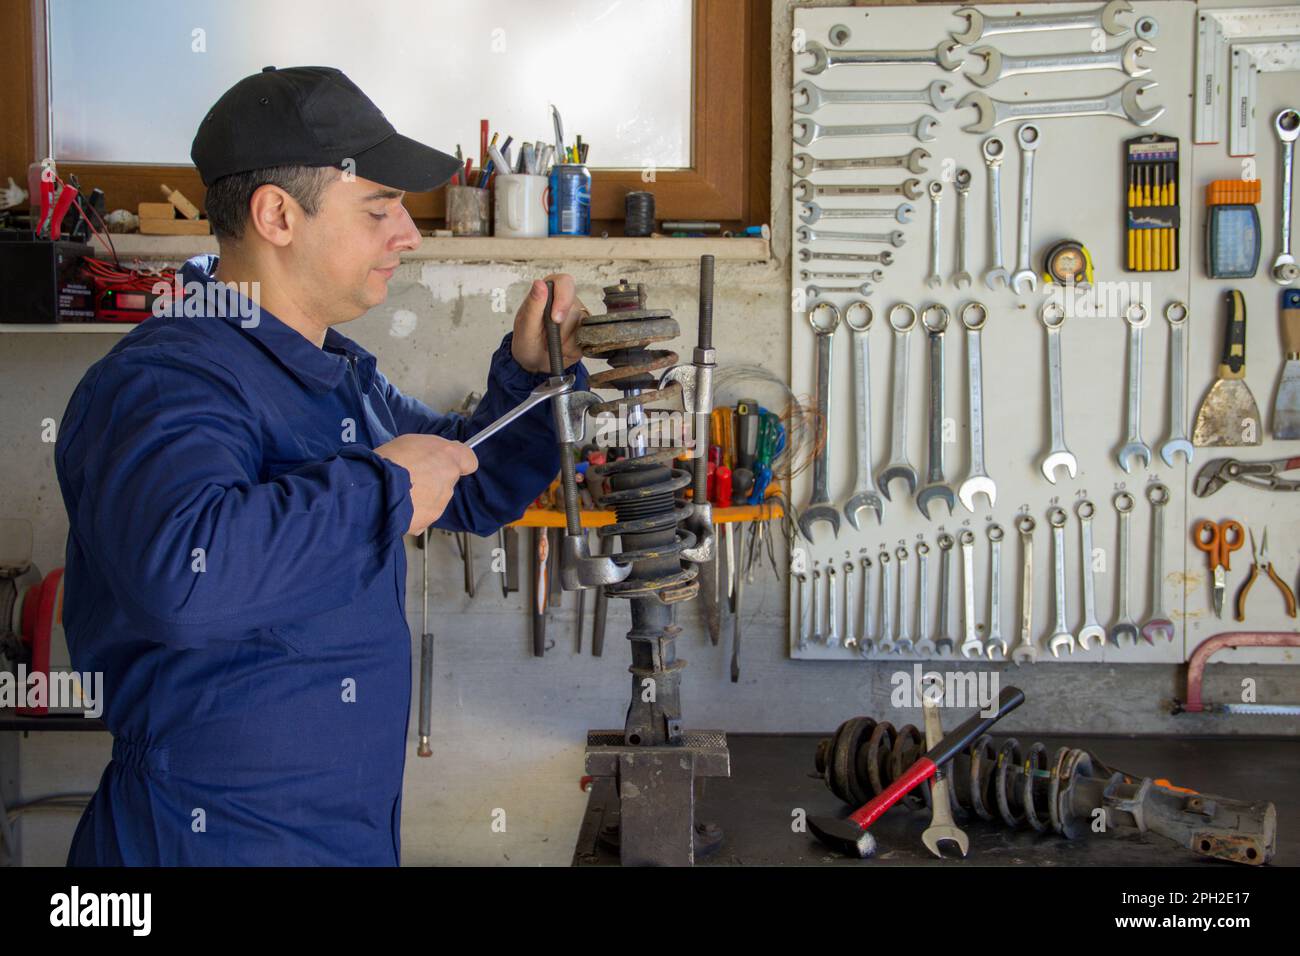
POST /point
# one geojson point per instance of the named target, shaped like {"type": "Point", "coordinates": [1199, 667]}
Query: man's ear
{"type": "Point", "coordinates": [272, 214]}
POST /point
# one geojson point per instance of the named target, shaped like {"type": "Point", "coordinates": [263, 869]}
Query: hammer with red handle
{"type": "Point", "coordinates": [849, 835]}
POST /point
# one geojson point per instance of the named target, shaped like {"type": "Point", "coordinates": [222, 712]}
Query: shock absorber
{"type": "Point", "coordinates": [1062, 791]}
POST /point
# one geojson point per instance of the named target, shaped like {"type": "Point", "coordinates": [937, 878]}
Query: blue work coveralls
{"type": "Point", "coordinates": [236, 570]}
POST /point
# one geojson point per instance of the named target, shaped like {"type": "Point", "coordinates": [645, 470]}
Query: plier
{"type": "Point", "coordinates": [1262, 563]}
{"type": "Point", "coordinates": [1254, 474]}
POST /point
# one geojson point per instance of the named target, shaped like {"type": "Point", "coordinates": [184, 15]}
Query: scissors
{"type": "Point", "coordinates": [1263, 566]}
{"type": "Point", "coordinates": [1219, 540]}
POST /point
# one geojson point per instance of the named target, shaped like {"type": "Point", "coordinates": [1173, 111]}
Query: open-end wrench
{"type": "Point", "coordinates": [804, 190]}
{"type": "Point", "coordinates": [817, 291]}
{"type": "Point", "coordinates": [809, 97]}
{"type": "Point", "coordinates": [961, 182]}
{"type": "Point", "coordinates": [987, 25]}
{"type": "Point", "coordinates": [1135, 315]}
{"type": "Point", "coordinates": [1123, 103]}
{"type": "Point", "coordinates": [1124, 626]}
{"type": "Point", "coordinates": [993, 150]}
{"type": "Point", "coordinates": [833, 606]}
{"type": "Point", "coordinates": [809, 131]}
{"type": "Point", "coordinates": [942, 829]}
{"type": "Point", "coordinates": [866, 643]}
{"type": "Point", "coordinates": [998, 65]}
{"type": "Point", "coordinates": [817, 604]}
{"type": "Point", "coordinates": [1026, 648]}
{"type": "Point", "coordinates": [934, 280]}
{"type": "Point", "coordinates": [824, 319]}
{"type": "Point", "coordinates": [806, 165]}
{"type": "Point", "coordinates": [812, 213]}
{"type": "Point", "coordinates": [886, 643]}
{"type": "Point", "coordinates": [1177, 443]}
{"type": "Point", "coordinates": [850, 606]}
{"type": "Point", "coordinates": [872, 275]}
{"type": "Point", "coordinates": [858, 317]}
{"type": "Point", "coordinates": [1091, 627]}
{"type": "Point", "coordinates": [1025, 279]}
{"type": "Point", "coordinates": [823, 59]}
{"type": "Point", "coordinates": [935, 484]}
{"type": "Point", "coordinates": [903, 643]}
{"type": "Point", "coordinates": [943, 640]}
{"type": "Point", "coordinates": [971, 645]}
{"type": "Point", "coordinates": [1061, 636]}
{"type": "Point", "coordinates": [996, 643]}
{"type": "Point", "coordinates": [1052, 315]}
{"type": "Point", "coordinates": [805, 609]}
{"type": "Point", "coordinates": [973, 317]}
{"type": "Point", "coordinates": [1287, 126]}
{"type": "Point", "coordinates": [895, 238]}
{"type": "Point", "coordinates": [899, 466]}
{"type": "Point", "coordinates": [925, 643]}
{"type": "Point", "coordinates": [1158, 625]}
{"type": "Point", "coordinates": [885, 258]}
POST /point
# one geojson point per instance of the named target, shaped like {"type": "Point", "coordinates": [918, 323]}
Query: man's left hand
{"type": "Point", "coordinates": [529, 343]}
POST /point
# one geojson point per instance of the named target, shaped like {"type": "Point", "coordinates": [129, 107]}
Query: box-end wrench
{"type": "Point", "coordinates": [812, 213]}
{"type": "Point", "coordinates": [1052, 315]}
{"type": "Point", "coordinates": [885, 257]}
{"type": "Point", "coordinates": [1124, 626]}
{"type": "Point", "coordinates": [1137, 319]}
{"type": "Point", "coordinates": [1025, 279]}
{"type": "Point", "coordinates": [1177, 443]}
{"type": "Point", "coordinates": [1158, 625]}
{"type": "Point", "coordinates": [1026, 648]}
{"type": "Point", "coordinates": [1091, 627]}
{"type": "Point", "coordinates": [1061, 636]}
{"type": "Point", "coordinates": [903, 643]}
{"type": "Point", "coordinates": [971, 645]}
{"type": "Point", "coordinates": [996, 643]}
{"type": "Point", "coordinates": [824, 319]}
{"type": "Point", "coordinates": [993, 150]}
{"type": "Point", "coordinates": [809, 98]}
{"type": "Point", "coordinates": [961, 182]}
{"type": "Point", "coordinates": [934, 280]}
{"type": "Point", "coordinates": [867, 642]}
{"type": "Point", "coordinates": [805, 191]}
{"type": "Point", "coordinates": [987, 25]}
{"type": "Point", "coordinates": [999, 65]}
{"type": "Point", "coordinates": [858, 317]}
{"type": "Point", "coordinates": [805, 165]}
{"type": "Point", "coordinates": [943, 828]}
{"type": "Point", "coordinates": [1287, 126]}
{"type": "Point", "coordinates": [935, 484]}
{"type": "Point", "coordinates": [1123, 103]}
{"type": "Point", "coordinates": [895, 238]}
{"type": "Point", "coordinates": [809, 131]}
{"type": "Point", "coordinates": [886, 643]}
{"type": "Point", "coordinates": [850, 606]}
{"type": "Point", "coordinates": [943, 640]}
{"type": "Point", "coordinates": [945, 55]}
{"type": "Point", "coordinates": [902, 319]}
{"type": "Point", "coordinates": [925, 643]}
{"type": "Point", "coordinates": [833, 606]}
{"type": "Point", "coordinates": [974, 316]}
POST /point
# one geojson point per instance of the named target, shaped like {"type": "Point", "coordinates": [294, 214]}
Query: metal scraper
{"type": "Point", "coordinates": [1229, 415]}
{"type": "Point", "coordinates": [1286, 405]}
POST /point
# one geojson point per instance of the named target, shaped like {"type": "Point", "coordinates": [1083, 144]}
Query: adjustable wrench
{"type": "Point", "coordinates": [908, 189]}
{"type": "Point", "coordinates": [805, 608]}
{"type": "Point", "coordinates": [809, 131]}
{"type": "Point", "coordinates": [1122, 103]}
{"type": "Point", "coordinates": [996, 642]}
{"type": "Point", "coordinates": [886, 643]}
{"type": "Point", "coordinates": [885, 257]}
{"type": "Point", "coordinates": [973, 317]}
{"type": "Point", "coordinates": [925, 645]}
{"type": "Point", "coordinates": [1052, 316]}
{"type": "Point", "coordinates": [812, 213]}
{"type": "Point", "coordinates": [943, 641]}
{"type": "Point", "coordinates": [935, 486]}
{"type": "Point", "coordinates": [866, 643]}
{"type": "Point", "coordinates": [816, 602]}
{"type": "Point", "coordinates": [1025, 279]}
{"type": "Point", "coordinates": [942, 828]}
{"type": "Point", "coordinates": [934, 280]}
{"type": "Point", "coordinates": [1158, 625]}
{"type": "Point", "coordinates": [899, 466]}
{"type": "Point", "coordinates": [865, 493]}
{"type": "Point", "coordinates": [1124, 625]}
{"type": "Point", "coordinates": [820, 507]}
{"type": "Point", "coordinates": [1287, 126]}
{"type": "Point", "coordinates": [993, 150]}
{"type": "Point", "coordinates": [999, 65]}
{"type": "Point", "coordinates": [903, 644]}
{"type": "Point", "coordinates": [810, 98]}
{"type": "Point", "coordinates": [1026, 649]}
{"type": "Point", "coordinates": [895, 238]}
{"type": "Point", "coordinates": [961, 182]}
{"type": "Point", "coordinates": [1061, 637]}
{"type": "Point", "coordinates": [823, 59]}
{"type": "Point", "coordinates": [833, 608]}
{"type": "Point", "coordinates": [1091, 628]}
{"type": "Point", "coordinates": [980, 25]}
{"type": "Point", "coordinates": [1176, 443]}
{"type": "Point", "coordinates": [805, 165]}
{"type": "Point", "coordinates": [971, 646]}
{"type": "Point", "coordinates": [1134, 447]}
{"type": "Point", "coordinates": [850, 607]}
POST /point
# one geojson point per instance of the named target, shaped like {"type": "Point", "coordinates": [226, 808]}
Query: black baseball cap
{"type": "Point", "coordinates": [311, 116]}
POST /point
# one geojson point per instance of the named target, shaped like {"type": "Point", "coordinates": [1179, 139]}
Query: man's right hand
{"type": "Point", "coordinates": [435, 464]}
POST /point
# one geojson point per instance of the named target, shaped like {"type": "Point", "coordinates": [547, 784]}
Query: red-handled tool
{"type": "Point", "coordinates": [849, 835]}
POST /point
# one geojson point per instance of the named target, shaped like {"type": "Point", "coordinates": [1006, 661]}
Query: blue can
{"type": "Point", "coordinates": [568, 200]}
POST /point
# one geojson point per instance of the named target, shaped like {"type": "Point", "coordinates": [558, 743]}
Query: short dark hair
{"type": "Point", "coordinates": [228, 197]}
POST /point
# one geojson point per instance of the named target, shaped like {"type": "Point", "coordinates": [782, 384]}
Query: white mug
{"type": "Point", "coordinates": [520, 206]}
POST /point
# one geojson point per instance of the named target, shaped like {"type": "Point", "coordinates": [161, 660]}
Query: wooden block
{"type": "Point", "coordinates": [183, 205]}
{"type": "Point", "coordinates": [175, 227]}
{"type": "Point", "coordinates": [156, 210]}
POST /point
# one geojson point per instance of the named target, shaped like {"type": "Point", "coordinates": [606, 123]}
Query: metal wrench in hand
{"type": "Point", "coordinates": [935, 486]}
{"type": "Point", "coordinates": [865, 493]}
{"type": "Point", "coordinates": [824, 319]}
{"type": "Point", "coordinates": [899, 466]}
{"type": "Point", "coordinates": [548, 389]}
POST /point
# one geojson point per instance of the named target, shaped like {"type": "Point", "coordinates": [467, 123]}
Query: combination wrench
{"type": "Point", "coordinates": [996, 643]}
{"type": "Point", "coordinates": [805, 165]}
{"type": "Point", "coordinates": [816, 603]}
{"type": "Point", "coordinates": [885, 257]}
{"type": "Point", "coordinates": [1124, 626]}
{"type": "Point", "coordinates": [1025, 279]}
{"type": "Point", "coordinates": [866, 643]}
{"type": "Point", "coordinates": [833, 606]}
{"type": "Point", "coordinates": [809, 131]}
{"type": "Point", "coordinates": [1052, 315]}
{"type": "Point", "coordinates": [850, 606]}
{"type": "Point", "coordinates": [820, 507]}
{"type": "Point", "coordinates": [1287, 126]}
{"type": "Point", "coordinates": [903, 643]}
{"type": "Point", "coordinates": [809, 97]}
{"type": "Point", "coordinates": [805, 609]}
{"type": "Point", "coordinates": [961, 183]}
{"type": "Point", "coordinates": [993, 150]}
{"type": "Point", "coordinates": [1091, 627]}
{"type": "Point", "coordinates": [971, 645]}
{"type": "Point", "coordinates": [1026, 649]}
{"type": "Point", "coordinates": [925, 644]}
{"type": "Point", "coordinates": [886, 643]}
{"type": "Point", "coordinates": [999, 65]}
{"type": "Point", "coordinates": [1061, 636]}
{"type": "Point", "coordinates": [943, 640]}
{"type": "Point", "coordinates": [899, 466]}
{"type": "Point", "coordinates": [812, 213]}
{"type": "Point", "coordinates": [1158, 625]}
{"type": "Point", "coordinates": [980, 25]}
{"type": "Point", "coordinates": [941, 56]}
{"type": "Point", "coordinates": [865, 493]}
{"type": "Point", "coordinates": [895, 238]}
{"type": "Point", "coordinates": [943, 828]}
{"type": "Point", "coordinates": [973, 317]}
{"type": "Point", "coordinates": [1177, 443]}
{"type": "Point", "coordinates": [1122, 103]}
{"type": "Point", "coordinates": [935, 486]}
{"type": "Point", "coordinates": [1136, 317]}
{"type": "Point", "coordinates": [805, 190]}
{"type": "Point", "coordinates": [934, 280]}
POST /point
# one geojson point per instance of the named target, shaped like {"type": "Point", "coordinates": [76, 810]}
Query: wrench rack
{"type": "Point", "coordinates": [1078, 194]}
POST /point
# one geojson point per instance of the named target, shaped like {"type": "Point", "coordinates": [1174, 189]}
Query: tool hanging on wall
{"type": "Point", "coordinates": [1152, 222]}
{"type": "Point", "coordinates": [1262, 566]}
{"type": "Point", "coordinates": [1069, 261]}
{"type": "Point", "coordinates": [1228, 413]}
{"type": "Point", "coordinates": [1232, 233]}
{"type": "Point", "coordinates": [1253, 474]}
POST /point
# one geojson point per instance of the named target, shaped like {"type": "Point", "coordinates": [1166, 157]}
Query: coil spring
{"type": "Point", "coordinates": [641, 489]}
{"type": "Point", "coordinates": [1009, 783]}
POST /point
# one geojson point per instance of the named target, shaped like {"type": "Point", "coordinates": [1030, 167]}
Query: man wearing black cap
{"type": "Point", "coordinates": [239, 477]}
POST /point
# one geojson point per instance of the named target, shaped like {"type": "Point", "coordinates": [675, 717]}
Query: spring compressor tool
{"type": "Point", "coordinates": [649, 767]}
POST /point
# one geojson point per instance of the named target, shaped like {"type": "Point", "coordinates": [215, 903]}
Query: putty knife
{"type": "Point", "coordinates": [1229, 415]}
{"type": "Point", "coordinates": [1286, 405]}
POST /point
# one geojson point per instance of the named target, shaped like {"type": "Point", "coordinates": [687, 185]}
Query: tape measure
{"type": "Point", "coordinates": [1068, 262]}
